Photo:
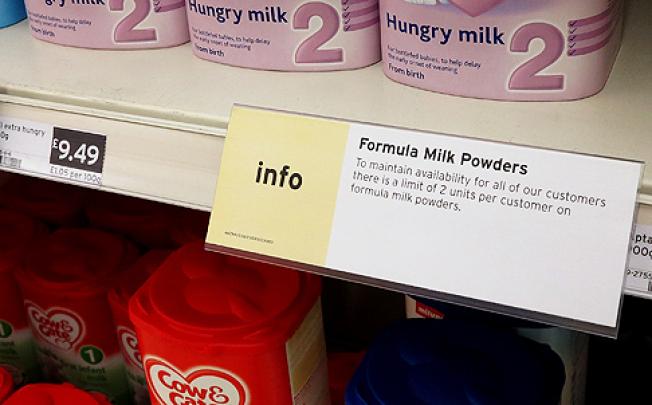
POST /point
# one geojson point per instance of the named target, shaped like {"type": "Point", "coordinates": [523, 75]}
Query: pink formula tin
{"type": "Point", "coordinates": [286, 35]}
{"type": "Point", "coordinates": [502, 49]}
{"type": "Point", "coordinates": [109, 24]}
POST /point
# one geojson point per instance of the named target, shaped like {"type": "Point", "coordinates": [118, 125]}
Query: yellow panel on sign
{"type": "Point", "coordinates": [278, 184]}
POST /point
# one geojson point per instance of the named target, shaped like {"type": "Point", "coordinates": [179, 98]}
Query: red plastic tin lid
{"type": "Point", "coordinates": [80, 261]}
{"type": "Point", "coordinates": [146, 222]}
{"type": "Point", "coordinates": [55, 394]}
{"type": "Point", "coordinates": [49, 201]}
{"type": "Point", "coordinates": [6, 384]}
{"type": "Point", "coordinates": [132, 279]}
{"type": "Point", "coordinates": [203, 296]}
{"type": "Point", "coordinates": [18, 231]}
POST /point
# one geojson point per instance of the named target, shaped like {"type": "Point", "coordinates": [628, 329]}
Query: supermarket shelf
{"type": "Point", "coordinates": [165, 112]}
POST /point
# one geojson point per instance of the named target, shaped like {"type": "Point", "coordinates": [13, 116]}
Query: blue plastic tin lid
{"type": "Point", "coordinates": [11, 11]}
{"type": "Point", "coordinates": [461, 313]}
{"type": "Point", "coordinates": [428, 362]}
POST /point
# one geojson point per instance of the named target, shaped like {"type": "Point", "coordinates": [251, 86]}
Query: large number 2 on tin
{"type": "Point", "coordinates": [526, 76]}
{"type": "Point", "coordinates": [126, 30]}
{"type": "Point", "coordinates": [308, 51]}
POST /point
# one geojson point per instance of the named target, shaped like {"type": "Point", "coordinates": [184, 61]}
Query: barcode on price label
{"type": "Point", "coordinates": [8, 161]}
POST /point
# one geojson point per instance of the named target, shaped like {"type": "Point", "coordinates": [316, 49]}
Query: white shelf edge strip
{"type": "Point", "coordinates": [644, 197]}
{"type": "Point", "coordinates": [219, 131]}
{"type": "Point", "coordinates": [639, 294]}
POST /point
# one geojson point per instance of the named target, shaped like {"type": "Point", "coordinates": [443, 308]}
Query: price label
{"type": "Point", "coordinates": [24, 145]}
{"type": "Point", "coordinates": [36, 147]}
{"type": "Point", "coordinates": [78, 150]}
{"type": "Point", "coordinates": [639, 270]}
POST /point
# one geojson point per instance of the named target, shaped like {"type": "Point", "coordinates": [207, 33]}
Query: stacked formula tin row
{"type": "Point", "coordinates": [501, 49]}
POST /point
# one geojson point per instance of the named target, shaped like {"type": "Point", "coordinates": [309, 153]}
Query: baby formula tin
{"type": "Point", "coordinates": [11, 11]}
{"type": "Point", "coordinates": [189, 226]}
{"type": "Point", "coordinates": [109, 24]}
{"type": "Point", "coordinates": [218, 330]}
{"type": "Point", "coordinates": [502, 49]}
{"type": "Point", "coordinates": [6, 384]}
{"type": "Point", "coordinates": [571, 346]}
{"type": "Point", "coordinates": [53, 203]}
{"type": "Point", "coordinates": [286, 34]}
{"type": "Point", "coordinates": [18, 240]}
{"type": "Point", "coordinates": [146, 222]}
{"type": "Point", "coordinates": [341, 367]}
{"type": "Point", "coordinates": [65, 290]}
{"type": "Point", "coordinates": [119, 296]}
{"type": "Point", "coordinates": [55, 394]}
{"type": "Point", "coordinates": [423, 361]}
